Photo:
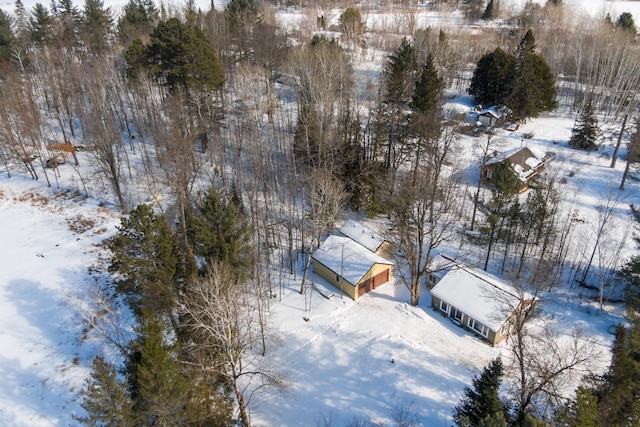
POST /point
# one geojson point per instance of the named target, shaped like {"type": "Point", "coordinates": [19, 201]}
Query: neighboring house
{"type": "Point", "coordinates": [478, 301]}
{"type": "Point", "coordinates": [488, 118]}
{"type": "Point", "coordinates": [368, 238]}
{"type": "Point", "coordinates": [526, 163]}
{"type": "Point", "coordinates": [350, 267]}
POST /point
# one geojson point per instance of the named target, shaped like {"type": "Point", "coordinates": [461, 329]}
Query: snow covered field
{"type": "Point", "coordinates": [370, 358]}
{"type": "Point", "coordinates": [43, 269]}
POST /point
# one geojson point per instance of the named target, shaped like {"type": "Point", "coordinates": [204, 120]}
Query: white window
{"type": "Point", "coordinates": [488, 174]}
{"type": "Point", "coordinates": [478, 327]}
{"type": "Point", "coordinates": [444, 307]}
{"type": "Point", "coordinates": [433, 279]}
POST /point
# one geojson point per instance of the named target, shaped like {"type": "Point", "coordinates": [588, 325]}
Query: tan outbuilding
{"type": "Point", "coordinates": [350, 267]}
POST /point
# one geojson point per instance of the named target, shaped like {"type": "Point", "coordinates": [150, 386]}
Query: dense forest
{"type": "Point", "coordinates": [251, 140]}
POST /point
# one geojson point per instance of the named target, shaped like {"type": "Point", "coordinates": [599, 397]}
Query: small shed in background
{"type": "Point", "coordinates": [368, 238]}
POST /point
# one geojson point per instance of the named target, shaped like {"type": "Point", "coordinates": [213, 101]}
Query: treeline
{"type": "Point", "coordinates": [200, 329]}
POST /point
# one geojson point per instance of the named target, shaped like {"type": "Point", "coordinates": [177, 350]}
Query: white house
{"type": "Point", "coordinates": [478, 301]}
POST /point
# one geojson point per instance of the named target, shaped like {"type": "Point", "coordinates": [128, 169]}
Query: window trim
{"type": "Point", "coordinates": [445, 307]}
{"type": "Point", "coordinates": [478, 327]}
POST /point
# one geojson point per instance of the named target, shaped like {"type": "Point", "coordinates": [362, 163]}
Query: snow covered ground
{"type": "Point", "coordinates": [367, 359]}
{"type": "Point", "coordinates": [48, 242]}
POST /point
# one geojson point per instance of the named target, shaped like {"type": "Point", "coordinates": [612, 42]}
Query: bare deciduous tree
{"type": "Point", "coordinates": [424, 212]}
{"type": "Point", "coordinates": [543, 363]}
{"type": "Point", "coordinates": [223, 321]}
{"type": "Point", "coordinates": [324, 196]}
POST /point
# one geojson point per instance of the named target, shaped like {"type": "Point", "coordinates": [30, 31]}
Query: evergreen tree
{"type": "Point", "coordinates": [144, 261]}
{"type": "Point", "coordinates": [526, 48]}
{"type": "Point", "coordinates": [138, 19]}
{"type": "Point", "coordinates": [618, 402]}
{"type": "Point", "coordinates": [625, 22]}
{"type": "Point", "coordinates": [351, 24]}
{"type": "Point", "coordinates": [533, 89]}
{"type": "Point", "coordinates": [180, 56]}
{"type": "Point", "coordinates": [106, 398]}
{"type": "Point", "coordinates": [161, 387]}
{"type": "Point", "coordinates": [490, 11]}
{"type": "Point", "coordinates": [40, 25]}
{"type": "Point", "coordinates": [96, 25]}
{"type": "Point", "coordinates": [585, 131]}
{"type": "Point", "coordinates": [242, 12]}
{"type": "Point", "coordinates": [481, 405]}
{"type": "Point", "coordinates": [490, 81]}
{"type": "Point", "coordinates": [399, 83]}
{"type": "Point", "coordinates": [531, 82]}
{"type": "Point", "coordinates": [134, 56]}
{"type": "Point", "coordinates": [503, 204]}
{"type": "Point", "coordinates": [67, 17]}
{"type": "Point", "coordinates": [7, 37]}
{"type": "Point", "coordinates": [427, 113]}
{"type": "Point", "coordinates": [630, 272]}
{"type": "Point", "coordinates": [217, 232]}
{"type": "Point", "coordinates": [582, 411]}
{"type": "Point", "coordinates": [21, 23]}
{"type": "Point", "coordinates": [241, 15]}
{"type": "Point", "coordinates": [399, 74]}
{"type": "Point", "coordinates": [427, 96]}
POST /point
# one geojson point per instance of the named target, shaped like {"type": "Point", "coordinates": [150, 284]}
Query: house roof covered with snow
{"type": "Point", "coordinates": [347, 258]}
{"type": "Point", "coordinates": [362, 235]}
{"type": "Point", "coordinates": [480, 295]}
{"type": "Point", "coordinates": [525, 161]}
{"type": "Point", "coordinates": [489, 112]}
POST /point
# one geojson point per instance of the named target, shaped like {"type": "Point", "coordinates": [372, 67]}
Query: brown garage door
{"type": "Point", "coordinates": [380, 278]}
{"type": "Point", "coordinates": [365, 287]}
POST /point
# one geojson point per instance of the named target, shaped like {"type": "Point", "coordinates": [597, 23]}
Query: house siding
{"type": "Point", "coordinates": [519, 158]}
{"type": "Point", "coordinates": [492, 337]}
{"type": "Point", "coordinates": [332, 277]}
{"type": "Point", "coordinates": [385, 250]}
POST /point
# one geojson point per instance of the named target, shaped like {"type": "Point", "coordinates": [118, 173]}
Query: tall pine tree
{"type": "Point", "coordinates": [40, 26]}
{"type": "Point", "coordinates": [531, 82]}
{"type": "Point", "coordinates": [181, 57]}
{"type": "Point", "coordinates": [426, 105]}
{"type": "Point", "coordinates": [217, 231]}
{"type": "Point", "coordinates": [489, 84]}
{"type": "Point", "coordinates": [503, 203]}
{"type": "Point", "coordinates": [160, 384]}
{"type": "Point", "coordinates": [138, 19]}
{"type": "Point", "coordinates": [144, 262]}
{"type": "Point", "coordinates": [626, 23]}
{"type": "Point", "coordinates": [481, 405]}
{"type": "Point", "coordinates": [399, 83]}
{"type": "Point", "coordinates": [106, 398]}
{"type": "Point", "coordinates": [586, 131]}
{"type": "Point", "coordinates": [581, 411]}
{"type": "Point", "coordinates": [96, 24]}
{"type": "Point", "coordinates": [618, 397]}
{"type": "Point", "coordinates": [7, 37]}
